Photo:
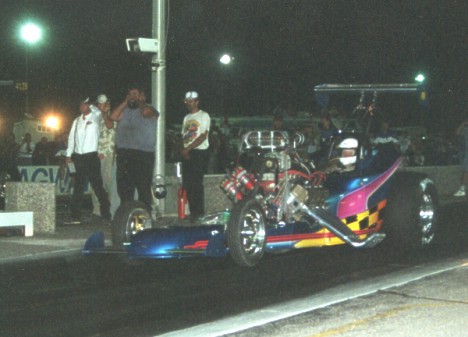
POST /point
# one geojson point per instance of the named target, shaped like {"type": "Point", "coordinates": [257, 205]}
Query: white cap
{"type": "Point", "coordinates": [191, 95]}
{"type": "Point", "coordinates": [102, 99]}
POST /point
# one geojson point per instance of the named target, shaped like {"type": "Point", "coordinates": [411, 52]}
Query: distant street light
{"type": "Point", "coordinates": [420, 78]}
{"type": "Point", "coordinates": [226, 59]}
{"type": "Point", "coordinates": [30, 33]}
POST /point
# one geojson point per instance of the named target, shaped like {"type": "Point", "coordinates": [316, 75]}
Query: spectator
{"type": "Point", "coordinates": [385, 147]}
{"type": "Point", "coordinates": [25, 151]}
{"type": "Point", "coordinates": [277, 123]}
{"type": "Point", "coordinates": [311, 141]}
{"type": "Point", "coordinates": [385, 137]}
{"type": "Point", "coordinates": [9, 156]}
{"type": "Point", "coordinates": [462, 131]}
{"type": "Point", "coordinates": [82, 151]}
{"type": "Point", "coordinates": [195, 130]}
{"type": "Point", "coordinates": [57, 148]}
{"type": "Point", "coordinates": [106, 151]}
{"type": "Point", "coordinates": [328, 131]}
{"type": "Point", "coordinates": [226, 127]}
{"type": "Point", "coordinates": [58, 154]}
{"type": "Point", "coordinates": [417, 157]}
{"type": "Point", "coordinates": [135, 141]}
{"type": "Point", "coordinates": [106, 155]}
{"type": "Point", "coordinates": [405, 144]}
{"type": "Point", "coordinates": [40, 154]}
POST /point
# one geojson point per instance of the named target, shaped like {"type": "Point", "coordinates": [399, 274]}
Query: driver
{"type": "Point", "coordinates": [345, 156]}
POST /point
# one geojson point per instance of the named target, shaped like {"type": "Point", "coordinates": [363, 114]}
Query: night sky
{"type": "Point", "coordinates": [282, 49]}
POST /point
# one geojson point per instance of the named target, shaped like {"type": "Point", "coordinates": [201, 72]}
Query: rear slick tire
{"type": "Point", "coordinates": [411, 215]}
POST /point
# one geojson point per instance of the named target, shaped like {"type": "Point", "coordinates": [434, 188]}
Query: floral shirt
{"type": "Point", "coordinates": [106, 144]}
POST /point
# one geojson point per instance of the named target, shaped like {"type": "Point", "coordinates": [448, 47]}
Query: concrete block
{"type": "Point", "coordinates": [14, 219]}
{"type": "Point", "coordinates": [215, 199]}
{"type": "Point", "coordinates": [33, 197]}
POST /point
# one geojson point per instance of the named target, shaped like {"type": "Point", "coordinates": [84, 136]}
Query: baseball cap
{"type": "Point", "coordinates": [88, 100]}
{"type": "Point", "coordinates": [191, 95]}
{"type": "Point", "coordinates": [101, 99]}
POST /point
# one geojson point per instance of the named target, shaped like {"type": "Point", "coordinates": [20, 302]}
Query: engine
{"type": "Point", "coordinates": [284, 182]}
{"type": "Point", "coordinates": [284, 193]}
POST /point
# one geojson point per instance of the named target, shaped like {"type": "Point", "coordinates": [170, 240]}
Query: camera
{"type": "Point", "coordinates": [142, 45]}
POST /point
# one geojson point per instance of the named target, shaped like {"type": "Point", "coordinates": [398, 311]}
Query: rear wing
{"type": "Point", "coordinates": [360, 88]}
{"type": "Point", "coordinates": [323, 91]}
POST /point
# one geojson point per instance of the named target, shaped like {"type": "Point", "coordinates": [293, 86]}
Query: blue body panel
{"type": "Point", "coordinates": [179, 242]}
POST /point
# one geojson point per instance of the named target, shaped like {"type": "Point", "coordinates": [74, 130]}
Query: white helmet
{"type": "Point", "coordinates": [348, 148]}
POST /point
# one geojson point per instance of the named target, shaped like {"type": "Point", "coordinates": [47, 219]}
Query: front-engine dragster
{"type": "Point", "coordinates": [281, 201]}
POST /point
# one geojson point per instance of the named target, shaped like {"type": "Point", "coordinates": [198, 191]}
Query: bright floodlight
{"type": "Point", "coordinates": [52, 122]}
{"type": "Point", "coordinates": [225, 59]}
{"type": "Point", "coordinates": [420, 78]}
{"type": "Point", "coordinates": [31, 33]}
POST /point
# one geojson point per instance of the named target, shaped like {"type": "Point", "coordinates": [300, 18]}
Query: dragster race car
{"type": "Point", "coordinates": [280, 201]}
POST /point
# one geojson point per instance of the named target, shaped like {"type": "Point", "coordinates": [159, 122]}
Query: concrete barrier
{"type": "Point", "coordinates": [38, 198]}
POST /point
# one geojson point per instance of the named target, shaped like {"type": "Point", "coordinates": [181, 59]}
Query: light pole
{"type": "Point", "coordinates": [30, 34]}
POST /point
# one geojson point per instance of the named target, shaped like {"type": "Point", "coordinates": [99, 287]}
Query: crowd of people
{"type": "Point", "coordinates": [417, 148]}
{"type": "Point", "coordinates": [114, 149]}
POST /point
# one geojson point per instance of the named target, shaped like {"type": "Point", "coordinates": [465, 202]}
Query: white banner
{"type": "Point", "coordinates": [60, 176]}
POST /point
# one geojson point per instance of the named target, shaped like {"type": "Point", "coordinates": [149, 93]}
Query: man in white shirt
{"type": "Point", "coordinates": [82, 151]}
{"type": "Point", "coordinates": [195, 130]}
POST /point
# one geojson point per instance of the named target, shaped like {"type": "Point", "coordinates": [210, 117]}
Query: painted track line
{"type": "Point", "coordinates": [323, 299]}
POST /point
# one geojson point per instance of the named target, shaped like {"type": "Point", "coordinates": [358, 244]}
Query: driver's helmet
{"type": "Point", "coordinates": [347, 151]}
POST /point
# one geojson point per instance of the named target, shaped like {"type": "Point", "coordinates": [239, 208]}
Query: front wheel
{"type": "Point", "coordinates": [130, 218]}
{"type": "Point", "coordinates": [246, 233]}
{"type": "Point", "coordinates": [411, 215]}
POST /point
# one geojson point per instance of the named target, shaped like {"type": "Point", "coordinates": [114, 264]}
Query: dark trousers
{"type": "Point", "coordinates": [193, 171]}
{"type": "Point", "coordinates": [135, 172]}
{"type": "Point", "coordinates": [88, 166]}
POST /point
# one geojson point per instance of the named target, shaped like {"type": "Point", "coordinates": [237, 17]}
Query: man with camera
{"type": "Point", "coordinates": [135, 140]}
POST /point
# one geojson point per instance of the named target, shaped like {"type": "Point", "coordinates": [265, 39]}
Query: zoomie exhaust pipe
{"type": "Point", "coordinates": [337, 227]}
{"type": "Point", "coordinates": [296, 203]}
